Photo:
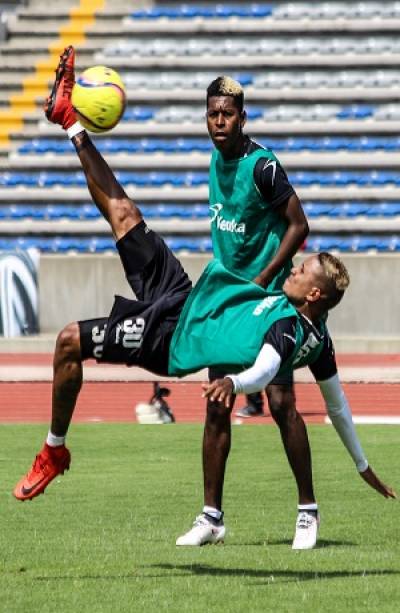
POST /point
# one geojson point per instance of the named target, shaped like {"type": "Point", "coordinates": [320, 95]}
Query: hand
{"type": "Point", "coordinates": [220, 390]}
{"type": "Point", "coordinates": [258, 280]}
{"type": "Point", "coordinates": [373, 481]}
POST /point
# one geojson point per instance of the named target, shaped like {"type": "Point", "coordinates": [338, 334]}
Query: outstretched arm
{"type": "Point", "coordinates": [340, 415]}
{"type": "Point", "coordinates": [373, 481]}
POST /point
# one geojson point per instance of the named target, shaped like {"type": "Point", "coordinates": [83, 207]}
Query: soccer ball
{"type": "Point", "coordinates": [99, 98]}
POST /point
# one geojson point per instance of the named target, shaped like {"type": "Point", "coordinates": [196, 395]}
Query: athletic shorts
{"type": "Point", "coordinates": [138, 332]}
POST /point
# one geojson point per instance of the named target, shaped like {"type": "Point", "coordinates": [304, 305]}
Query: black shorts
{"type": "Point", "coordinates": [138, 332]}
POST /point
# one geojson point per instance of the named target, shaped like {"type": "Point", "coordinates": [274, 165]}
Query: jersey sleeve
{"type": "Point", "coordinates": [257, 377]}
{"type": "Point", "coordinates": [325, 366]}
{"type": "Point", "coordinates": [272, 182]}
{"type": "Point", "coordinates": [282, 337]}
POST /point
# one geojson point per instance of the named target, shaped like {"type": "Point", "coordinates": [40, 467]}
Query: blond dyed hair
{"type": "Point", "coordinates": [226, 86]}
{"type": "Point", "coordinates": [336, 278]}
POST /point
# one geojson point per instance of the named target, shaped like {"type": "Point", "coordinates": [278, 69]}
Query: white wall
{"type": "Point", "coordinates": [368, 319]}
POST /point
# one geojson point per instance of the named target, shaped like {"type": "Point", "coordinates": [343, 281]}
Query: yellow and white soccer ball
{"type": "Point", "coordinates": [99, 98]}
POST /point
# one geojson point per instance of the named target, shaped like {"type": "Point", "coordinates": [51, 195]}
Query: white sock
{"type": "Point", "coordinates": [213, 512]}
{"type": "Point", "coordinates": [307, 507]}
{"type": "Point", "coordinates": [75, 129]}
{"type": "Point", "coordinates": [54, 441]}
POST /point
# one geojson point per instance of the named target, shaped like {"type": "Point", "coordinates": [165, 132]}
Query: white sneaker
{"type": "Point", "coordinates": [306, 530]}
{"type": "Point", "coordinates": [204, 531]}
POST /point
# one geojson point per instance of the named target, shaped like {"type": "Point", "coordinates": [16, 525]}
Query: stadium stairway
{"type": "Point", "coordinates": [322, 87]}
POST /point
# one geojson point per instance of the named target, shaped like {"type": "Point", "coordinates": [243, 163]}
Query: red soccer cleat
{"type": "Point", "coordinates": [58, 107]}
{"type": "Point", "coordinates": [50, 462]}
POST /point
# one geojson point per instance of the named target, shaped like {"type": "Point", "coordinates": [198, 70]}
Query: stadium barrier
{"type": "Point", "coordinates": [83, 286]}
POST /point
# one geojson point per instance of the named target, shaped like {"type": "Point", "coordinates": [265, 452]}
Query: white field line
{"type": "Point", "coordinates": [389, 420]}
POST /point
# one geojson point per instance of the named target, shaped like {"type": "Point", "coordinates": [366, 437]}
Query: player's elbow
{"type": "Point", "coordinates": [334, 410]}
{"type": "Point", "coordinates": [300, 230]}
{"type": "Point", "coordinates": [303, 230]}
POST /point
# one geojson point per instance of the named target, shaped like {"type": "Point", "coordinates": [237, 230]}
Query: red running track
{"type": "Point", "coordinates": [115, 402]}
{"type": "Point", "coordinates": [347, 359]}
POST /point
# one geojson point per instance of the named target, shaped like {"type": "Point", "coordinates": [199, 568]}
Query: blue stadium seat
{"type": "Point", "coordinates": [356, 111]}
{"type": "Point", "coordinates": [179, 179]}
{"type": "Point", "coordinates": [254, 113]}
{"type": "Point", "coordinates": [98, 244]}
{"type": "Point", "coordinates": [149, 145]}
{"type": "Point", "coordinates": [137, 113]}
{"type": "Point", "coordinates": [384, 209]}
{"type": "Point", "coordinates": [313, 209]}
{"type": "Point", "coordinates": [186, 11]}
{"type": "Point", "coordinates": [245, 79]}
{"type": "Point", "coordinates": [351, 209]}
{"type": "Point", "coordinates": [306, 178]}
{"type": "Point", "coordinates": [345, 178]}
{"type": "Point", "coordinates": [355, 243]}
{"type": "Point", "coordinates": [318, 209]}
{"type": "Point", "coordinates": [368, 243]}
{"type": "Point", "coordinates": [189, 244]}
{"type": "Point", "coordinates": [323, 243]}
{"type": "Point", "coordinates": [261, 10]}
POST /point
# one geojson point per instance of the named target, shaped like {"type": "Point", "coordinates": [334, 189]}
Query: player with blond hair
{"type": "Point", "coordinates": [171, 329]}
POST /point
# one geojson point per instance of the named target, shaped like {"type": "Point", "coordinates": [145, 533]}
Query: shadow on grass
{"type": "Point", "coordinates": [266, 543]}
{"type": "Point", "coordinates": [269, 575]}
{"type": "Point", "coordinates": [321, 543]}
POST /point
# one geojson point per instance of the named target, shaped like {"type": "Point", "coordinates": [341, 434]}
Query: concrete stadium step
{"type": "Point", "coordinates": [108, 29]}
{"type": "Point", "coordinates": [332, 95]}
{"type": "Point", "coordinates": [41, 4]}
{"type": "Point", "coordinates": [148, 129]}
{"type": "Point", "coordinates": [170, 227]}
{"type": "Point", "coordinates": [16, 80]}
{"type": "Point", "coordinates": [149, 161]}
{"type": "Point", "coordinates": [64, 11]}
{"type": "Point", "coordinates": [23, 45]}
{"type": "Point", "coordinates": [185, 227]}
{"type": "Point", "coordinates": [268, 26]}
{"type": "Point", "coordinates": [9, 115]}
{"type": "Point", "coordinates": [179, 95]}
{"type": "Point", "coordinates": [168, 193]}
{"type": "Point", "coordinates": [238, 62]}
{"type": "Point", "coordinates": [276, 128]}
{"type": "Point", "coordinates": [17, 61]}
{"type": "Point", "coordinates": [126, 26]}
{"type": "Point", "coordinates": [109, 5]}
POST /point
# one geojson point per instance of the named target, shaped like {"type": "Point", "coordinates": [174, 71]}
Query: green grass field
{"type": "Point", "coordinates": [102, 538]}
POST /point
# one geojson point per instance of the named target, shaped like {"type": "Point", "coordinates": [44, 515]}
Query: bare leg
{"type": "Point", "coordinates": [120, 211]}
{"type": "Point", "coordinates": [54, 459]}
{"type": "Point", "coordinates": [67, 378]}
{"type": "Point", "coordinates": [216, 447]}
{"type": "Point", "coordinates": [282, 404]}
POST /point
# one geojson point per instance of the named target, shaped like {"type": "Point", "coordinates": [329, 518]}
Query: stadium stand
{"type": "Point", "coordinates": [322, 86]}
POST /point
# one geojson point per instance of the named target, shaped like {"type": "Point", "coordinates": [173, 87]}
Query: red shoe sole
{"type": "Point", "coordinates": [51, 100]}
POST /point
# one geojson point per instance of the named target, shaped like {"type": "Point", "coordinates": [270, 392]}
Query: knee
{"type": "Point", "coordinates": [217, 412]}
{"type": "Point", "coordinates": [282, 403]}
{"type": "Point", "coordinates": [124, 216]}
{"type": "Point", "coordinates": [68, 344]}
